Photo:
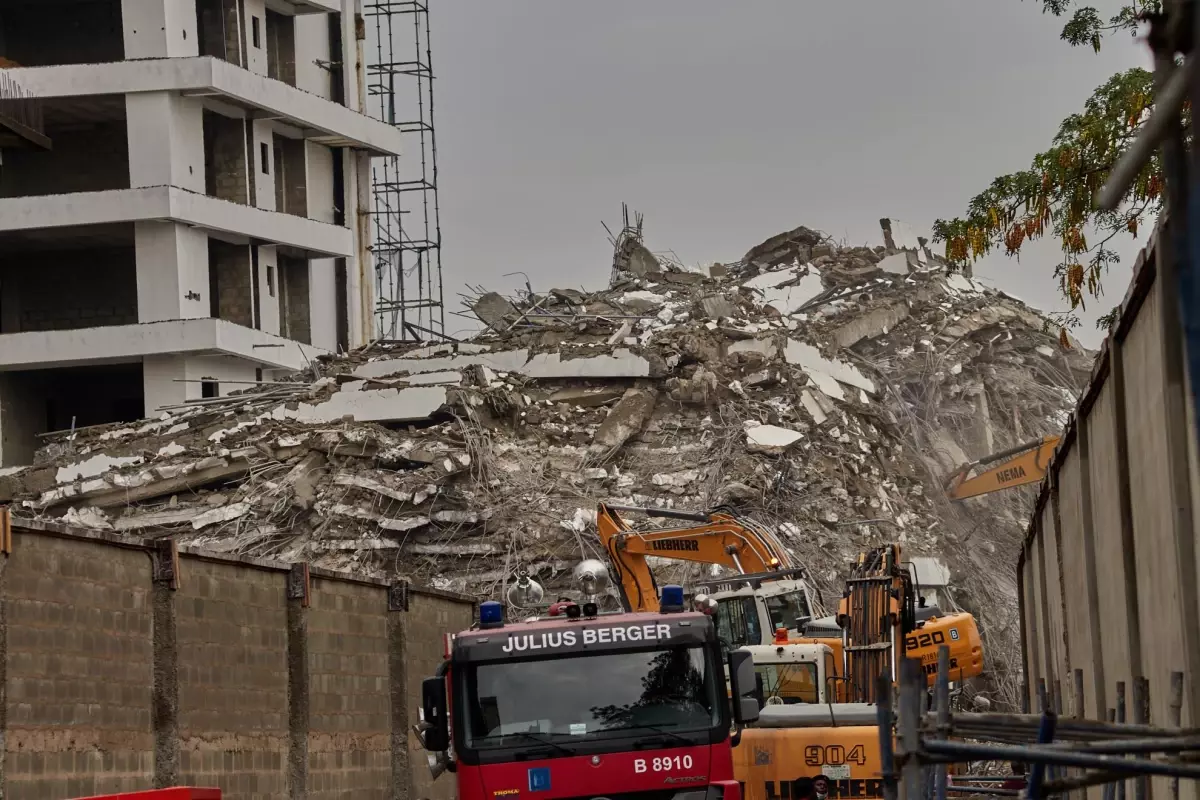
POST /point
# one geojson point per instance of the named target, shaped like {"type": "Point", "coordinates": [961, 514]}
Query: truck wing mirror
{"type": "Point", "coordinates": [742, 682]}
{"type": "Point", "coordinates": [436, 734]}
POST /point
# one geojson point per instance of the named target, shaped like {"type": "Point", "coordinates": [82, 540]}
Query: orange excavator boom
{"type": "Point", "coordinates": [1024, 464]}
{"type": "Point", "coordinates": [721, 538]}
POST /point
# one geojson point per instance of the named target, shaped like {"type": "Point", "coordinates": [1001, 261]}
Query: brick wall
{"type": "Point", "coordinates": [430, 616]}
{"type": "Point", "coordinates": [349, 740]}
{"type": "Point", "coordinates": [69, 289]}
{"type": "Point", "coordinates": [233, 281]}
{"type": "Point", "coordinates": [225, 160]}
{"type": "Point", "coordinates": [294, 309]}
{"type": "Point", "coordinates": [231, 626]}
{"type": "Point", "coordinates": [77, 664]}
{"type": "Point", "coordinates": [126, 665]}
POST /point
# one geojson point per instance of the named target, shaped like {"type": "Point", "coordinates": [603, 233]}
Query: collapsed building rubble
{"type": "Point", "coordinates": [821, 389]}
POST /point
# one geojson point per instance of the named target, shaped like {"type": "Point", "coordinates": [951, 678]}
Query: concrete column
{"type": "Point", "coordinates": [160, 386]}
{"type": "Point", "coordinates": [350, 10]}
{"type": "Point", "coordinates": [322, 293]}
{"type": "Point", "coordinates": [256, 46]}
{"type": "Point", "coordinates": [263, 159]}
{"type": "Point", "coordinates": [172, 271]}
{"type": "Point", "coordinates": [159, 28]}
{"type": "Point", "coordinates": [362, 283]}
{"type": "Point", "coordinates": [268, 284]}
{"type": "Point", "coordinates": [166, 140]}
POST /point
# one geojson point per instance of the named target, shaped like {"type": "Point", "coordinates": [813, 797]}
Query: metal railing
{"type": "Point", "coordinates": [1065, 754]}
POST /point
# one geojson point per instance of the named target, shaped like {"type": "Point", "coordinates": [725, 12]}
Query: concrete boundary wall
{"type": "Point", "coordinates": [1108, 570]}
{"type": "Point", "coordinates": [134, 665]}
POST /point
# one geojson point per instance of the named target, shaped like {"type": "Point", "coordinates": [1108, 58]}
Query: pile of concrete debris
{"type": "Point", "coordinates": [823, 390]}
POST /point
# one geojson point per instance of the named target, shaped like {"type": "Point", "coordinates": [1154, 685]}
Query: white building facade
{"type": "Point", "coordinates": [200, 221]}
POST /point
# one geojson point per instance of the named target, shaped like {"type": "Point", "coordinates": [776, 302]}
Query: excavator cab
{"type": "Point", "coordinates": [751, 608]}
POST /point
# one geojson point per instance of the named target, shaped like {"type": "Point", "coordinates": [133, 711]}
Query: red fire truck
{"type": "Point", "coordinates": [579, 704]}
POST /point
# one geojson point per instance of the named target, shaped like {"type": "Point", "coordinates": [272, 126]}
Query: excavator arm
{"type": "Point", "coordinates": [1017, 466]}
{"type": "Point", "coordinates": [719, 537]}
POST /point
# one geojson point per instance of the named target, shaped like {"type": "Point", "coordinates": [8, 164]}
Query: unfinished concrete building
{"type": "Point", "coordinates": [198, 223]}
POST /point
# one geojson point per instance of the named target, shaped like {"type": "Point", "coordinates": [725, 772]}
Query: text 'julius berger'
{"type": "Point", "coordinates": [552, 639]}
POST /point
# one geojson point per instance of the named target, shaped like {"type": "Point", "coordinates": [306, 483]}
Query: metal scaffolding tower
{"type": "Point", "coordinates": [408, 234]}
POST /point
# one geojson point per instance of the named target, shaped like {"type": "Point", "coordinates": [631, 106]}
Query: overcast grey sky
{"type": "Point", "coordinates": [726, 122]}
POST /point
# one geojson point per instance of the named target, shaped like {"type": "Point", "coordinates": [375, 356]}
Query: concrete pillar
{"type": "Point", "coordinates": [268, 283]}
{"type": "Point", "coordinates": [172, 271]}
{"type": "Point", "coordinates": [256, 36]}
{"type": "Point", "coordinates": [350, 54]}
{"type": "Point", "coordinates": [166, 140]}
{"type": "Point", "coordinates": [159, 28]}
{"type": "Point", "coordinates": [322, 289]}
{"type": "Point", "coordinates": [360, 271]}
{"type": "Point", "coordinates": [263, 159]}
{"type": "Point", "coordinates": [160, 383]}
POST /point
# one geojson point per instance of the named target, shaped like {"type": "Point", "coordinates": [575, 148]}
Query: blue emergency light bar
{"type": "Point", "coordinates": [491, 614]}
{"type": "Point", "coordinates": [671, 599]}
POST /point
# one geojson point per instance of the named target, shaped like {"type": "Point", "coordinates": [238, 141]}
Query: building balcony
{"type": "Point", "coordinates": [307, 238]}
{"type": "Point", "coordinates": [263, 98]}
{"type": "Point", "coordinates": [116, 344]}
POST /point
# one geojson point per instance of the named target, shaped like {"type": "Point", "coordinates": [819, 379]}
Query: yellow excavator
{"type": "Point", "coordinates": [817, 691]}
{"type": "Point", "coordinates": [770, 593]}
{"type": "Point", "coordinates": [1017, 466]}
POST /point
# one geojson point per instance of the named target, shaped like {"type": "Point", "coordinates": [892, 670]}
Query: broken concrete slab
{"type": "Point", "coordinates": [501, 361]}
{"type": "Point", "coordinates": [895, 264]}
{"type": "Point", "coordinates": [810, 360]}
{"type": "Point", "coordinates": [717, 306]}
{"type": "Point", "coordinates": [93, 466]}
{"type": "Point", "coordinates": [785, 247]}
{"type": "Point", "coordinates": [587, 396]}
{"type": "Point", "coordinates": [493, 309]}
{"type": "Point", "coordinates": [876, 322]}
{"type": "Point", "coordinates": [622, 363]}
{"type": "Point", "coordinates": [155, 519]}
{"type": "Point", "coordinates": [765, 347]}
{"type": "Point", "coordinates": [808, 399]}
{"type": "Point", "coordinates": [770, 439]}
{"type": "Point", "coordinates": [626, 418]}
{"type": "Point", "coordinates": [379, 405]}
{"type": "Point", "coordinates": [633, 256]}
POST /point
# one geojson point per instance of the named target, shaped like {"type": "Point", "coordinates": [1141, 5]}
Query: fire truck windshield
{"type": "Point", "coordinates": [591, 697]}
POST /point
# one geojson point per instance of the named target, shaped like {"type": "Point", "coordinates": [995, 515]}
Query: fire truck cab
{"type": "Point", "coordinates": [578, 704]}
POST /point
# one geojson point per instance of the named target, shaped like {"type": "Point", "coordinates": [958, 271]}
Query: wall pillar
{"type": "Point", "coordinates": [159, 28]}
{"type": "Point", "coordinates": [298, 594]}
{"type": "Point", "coordinates": [398, 686]}
{"type": "Point", "coordinates": [164, 713]}
{"type": "Point", "coordinates": [172, 271]}
{"type": "Point", "coordinates": [165, 134]}
{"type": "Point", "coordinates": [161, 383]}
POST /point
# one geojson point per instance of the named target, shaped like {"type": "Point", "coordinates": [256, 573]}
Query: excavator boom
{"type": "Point", "coordinates": [1017, 466]}
{"type": "Point", "coordinates": [720, 537]}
